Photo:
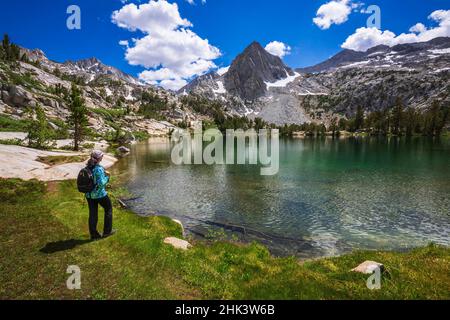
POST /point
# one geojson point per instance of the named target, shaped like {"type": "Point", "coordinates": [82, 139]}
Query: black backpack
{"type": "Point", "coordinates": [85, 181]}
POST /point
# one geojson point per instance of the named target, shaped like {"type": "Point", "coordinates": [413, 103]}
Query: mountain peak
{"type": "Point", "coordinates": [92, 60]}
{"type": "Point", "coordinates": [255, 45]}
{"type": "Point", "coordinates": [250, 71]}
{"type": "Point", "coordinates": [93, 66]}
{"type": "Point", "coordinates": [86, 63]}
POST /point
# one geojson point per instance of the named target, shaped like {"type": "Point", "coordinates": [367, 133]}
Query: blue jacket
{"type": "Point", "coordinates": [100, 180]}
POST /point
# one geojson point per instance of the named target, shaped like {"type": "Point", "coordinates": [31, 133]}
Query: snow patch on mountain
{"type": "Point", "coordinates": [355, 64]}
{"type": "Point", "coordinates": [222, 71]}
{"type": "Point", "coordinates": [283, 82]}
{"type": "Point", "coordinates": [440, 51]}
{"type": "Point", "coordinates": [221, 89]}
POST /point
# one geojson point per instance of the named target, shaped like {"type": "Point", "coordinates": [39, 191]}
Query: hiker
{"type": "Point", "coordinates": [99, 196]}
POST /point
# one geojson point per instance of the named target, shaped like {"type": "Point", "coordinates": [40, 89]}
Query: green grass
{"type": "Point", "coordinates": [135, 264]}
{"type": "Point", "coordinates": [11, 142]}
{"type": "Point", "coordinates": [56, 160]}
{"type": "Point", "coordinates": [12, 125]}
{"type": "Point", "coordinates": [141, 135]}
{"type": "Point", "coordinates": [109, 114]}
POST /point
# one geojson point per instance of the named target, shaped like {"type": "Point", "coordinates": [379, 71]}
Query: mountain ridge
{"type": "Point", "coordinates": [415, 73]}
{"type": "Point", "coordinates": [349, 56]}
{"type": "Point", "coordinates": [256, 85]}
{"type": "Point", "coordinates": [84, 68]}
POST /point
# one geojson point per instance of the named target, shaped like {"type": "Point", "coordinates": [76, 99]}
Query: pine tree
{"type": "Point", "coordinates": [4, 48]}
{"type": "Point", "coordinates": [437, 119]}
{"type": "Point", "coordinates": [359, 119]}
{"type": "Point", "coordinates": [334, 127]}
{"type": "Point", "coordinates": [397, 117]}
{"type": "Point", "coordinates": [11, 52]}
{"type": "Point", "coordinates": [57, 72]}
{"type": "Point", "coordinates": [78, 116]}
{"type": "Point", "coordinates": [410, 120]}
{"type": "Point", "coordinates": [5, 42]}
{"type": "Point", "coordinates": [40, 136]}
{"type": "Point", "coordinates": [343, 124]}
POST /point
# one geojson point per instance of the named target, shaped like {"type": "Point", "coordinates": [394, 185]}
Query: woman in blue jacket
{"type": "Point", "coordinates": [99, 196]}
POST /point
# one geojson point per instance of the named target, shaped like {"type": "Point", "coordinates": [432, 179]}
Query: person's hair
{"type": "Point", "coordinates": [96, 156]}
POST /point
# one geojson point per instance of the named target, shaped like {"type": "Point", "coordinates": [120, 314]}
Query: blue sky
{"type": "Point", "coordinates": [229, 26]}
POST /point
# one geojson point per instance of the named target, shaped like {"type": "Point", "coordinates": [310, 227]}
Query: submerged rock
{"type": "Point", "coordinates": [178, 243]}
{"type": "Point", "coordinates": [123, 150]}
{"type": "Point", "coordinates": [368, 267]}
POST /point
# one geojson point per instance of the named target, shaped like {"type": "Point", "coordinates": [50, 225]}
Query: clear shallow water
{"type": "Point", "coordinates": [330, 196]}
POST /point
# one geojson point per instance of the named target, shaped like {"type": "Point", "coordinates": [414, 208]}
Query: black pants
{"type": "Point", "coordinates": [93, 215]}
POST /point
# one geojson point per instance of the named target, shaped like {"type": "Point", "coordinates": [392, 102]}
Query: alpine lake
{"type": "Point", "coordinates": [330, 196]}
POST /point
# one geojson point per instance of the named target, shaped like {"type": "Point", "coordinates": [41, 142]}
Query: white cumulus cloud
{"type": "Point", "coordinates": [171, 51]}
{"type": "Point", "coordinates": [365, 38]}
{"type": "Point", "coordinates": [333, 12]}
{"type": "Point", "coordinates": [124, 43]}
{"type": "Point", "coordinates": [278, 48]}
{"type": "Point", "coordinates": [418, 28]}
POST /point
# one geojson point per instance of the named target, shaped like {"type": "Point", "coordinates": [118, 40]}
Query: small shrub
{"type": "Point", "coordinates": [11, 142]}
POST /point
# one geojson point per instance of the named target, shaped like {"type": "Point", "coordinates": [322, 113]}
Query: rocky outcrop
{"type": "Point", "coordinates": [21, 162]}
{"type": "Point", "coordinates": [206, 81]}
{"type": "Point", "coordinates": [16, 96]}
{"type": "Point", "coordinates": [49, 102]}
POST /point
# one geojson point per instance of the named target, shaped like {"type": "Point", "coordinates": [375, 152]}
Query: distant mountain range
{"type": "Point", "coordinates": [258, 84]}
{"type": "Point", "coordinates": [410, 55]}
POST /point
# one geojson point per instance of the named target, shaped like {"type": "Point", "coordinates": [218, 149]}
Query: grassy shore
{"type": "Point", "coordinates": [44, 230]}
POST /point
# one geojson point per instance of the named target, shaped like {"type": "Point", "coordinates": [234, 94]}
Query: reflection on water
{"type": "Point", "coordinates": [329, 197]}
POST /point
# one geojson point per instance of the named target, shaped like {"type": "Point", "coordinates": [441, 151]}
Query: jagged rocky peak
{"type": "Point", "coordinates": [89, 64]}
{"type": "Point", "coordinates": [205, 81]}
{"type": "Point", "coordinates": [250, 71]}
{"type": "Point", "coordinates": [94, 67]}
{"type": "Point", "coordinates": [33, 55]}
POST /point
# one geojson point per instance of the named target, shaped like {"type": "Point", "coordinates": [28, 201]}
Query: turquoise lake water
{"type": "Point", "coordinates": [330, 196]}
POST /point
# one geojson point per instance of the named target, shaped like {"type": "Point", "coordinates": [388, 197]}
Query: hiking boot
{"type": "Point", "coordinates": [96, 237]}
{"type": "Point", "coordinates": [113, 232]}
